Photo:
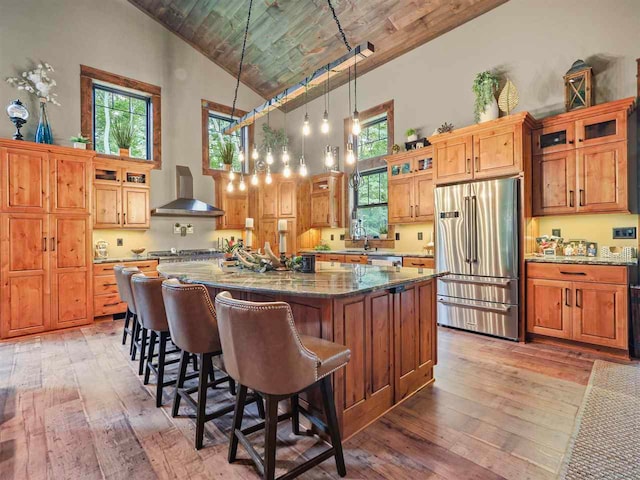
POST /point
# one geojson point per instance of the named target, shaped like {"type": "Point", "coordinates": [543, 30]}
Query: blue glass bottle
{"type": "Point", "coordinates": [43, 132]}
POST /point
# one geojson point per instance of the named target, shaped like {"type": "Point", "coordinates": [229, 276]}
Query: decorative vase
{"type": "Point", "coordinates": [382, 236]}
{"type": "Point", "coordinates": [43, 132]}
{"type": "Point", "coordinates": [412, 138]}
{"type": "Point", "coordinates": [80, 145]}
{"type": "Point", "coordinates": [491, 112]}
{"type": "Point", "coordinates": [124, 152]}
{"type": "Point", "coordinates": [226, 167]}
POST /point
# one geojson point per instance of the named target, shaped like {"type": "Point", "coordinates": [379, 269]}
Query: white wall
{"type": "Point", "coordinates": [115, 36]}
{"type": "Point", "coordinates": [533, 42]}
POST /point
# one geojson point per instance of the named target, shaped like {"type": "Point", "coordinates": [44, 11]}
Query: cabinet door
{"type": "Point", "coordinates": [453, 160]}
{"type": "Point", "coordinates": [497, 152]}
{"type": "Point", "coordinates": [236, 210]}
{"type": "Point", "coordinates": [599, 129]}
{"type": "Point", "coordinates": [71, 269]}
{"type": "Point", "coordinates": [600, 315]}
{"type": "Point", "coordinates": [24, 243]}
{"type": "Point", "coordinates": [399, 168]}
{"type": "Point", "coordinates": [269, 201]}
{"type": "Point", "coordinates": [423, 192]}
{"type": "Point", "coordinates": [135, 207]}
{"type": "Point", "coordinates": [286, 199]}
{"type": "Point", "coordinates": [602, 178]}
{"type": "Point", "coordinates": [557, 138]}
{"type": "Point", "coordinates": [320, 210]}
{"type": "Point", "coordinates": [400, 201]}
{"type": "Point", "coordinates": [414, 319]}
{"type": "Point", "coordinates": [554, 183]}
{"type": "Point", "coordinates": [25, 185]}
{"type": "Point", "coordinates": [549, 307]}
{"type": "Point", "coordinates": [269, 233]}
{"type": "Point", "coordinates": [69, 184]}
{"type": "Point", "coordinates": [106, 206]}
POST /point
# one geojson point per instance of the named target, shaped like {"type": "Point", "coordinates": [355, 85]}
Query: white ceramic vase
{"type": "Point", "coordinates": [412, 138]}
{"type": "Point", "coordinates": [80, 145]}
{"type": "Point", "coordinates": [382, 236]}
{"type": "Point", "coordinates": [491, 112]}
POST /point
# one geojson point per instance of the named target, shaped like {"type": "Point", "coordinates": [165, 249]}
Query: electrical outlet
{"type": "Point", "coordinates": [119, 242]}
{"type": "Point", "coordinates": [342, 236]}
{"type": "Point", "coordinates": [397, 235]}
{"type": "Point", "coordinates": [190, 228]}
{"type": "Point", "coordinates": [419, 235]}
{"type": "Point", "coordinates": [624, 233]}
{"type": "Point", "coordinates": [556, 232]}
{"type": "Point", "coordinates": [177, 228]}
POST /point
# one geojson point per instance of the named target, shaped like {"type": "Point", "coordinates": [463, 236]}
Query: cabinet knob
{"type": "Point", "coordinates": [571, 142]}
{"type": "Point", "coordinates": [580, 140]}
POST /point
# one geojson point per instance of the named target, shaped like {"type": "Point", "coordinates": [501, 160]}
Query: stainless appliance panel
{"type": "Point", "coordinates": [494, 228]}
{"type": "Point", "coordinates": [500, 290]}
{"type": "Point", "coordinates": [452, 204]}
{"type": "Point", "coordinates": [496, 319]}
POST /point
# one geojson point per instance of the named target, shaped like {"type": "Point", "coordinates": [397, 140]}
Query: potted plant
{"type": "Point", "coordinates": [227, 152]}
{"type": "Point", "coordinates": [122, 132]}
{"type": "Point", "coordinates": [384, 230]}
{"type": "Point", "coordinates": [484, 88]}
{"type": "Point", "coordinates": [412, 135]}
{"type": "Point", "coordinates": [79, 142]}
{"type": "Point", "coordinates": [229, 249]}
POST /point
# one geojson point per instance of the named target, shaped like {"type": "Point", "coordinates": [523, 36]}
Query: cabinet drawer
{"type": "Point", "coordinates": [332, 257]}
{"type": "Point", "coordinates": [578, 273]}
{"type": "Point", "coordinates": [419, 262]}
{"type": "Point", "coordinates": [107, 268]}
{"type": "Point", "coordinates": [108, 305]}
{"type": "Point", "coordinates": [356, 259]}
{"type": "Point", "coordinates": [104, 285]}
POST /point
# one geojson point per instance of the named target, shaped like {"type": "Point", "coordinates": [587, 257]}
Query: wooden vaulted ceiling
{"type": "Point", "coordinates": [289, 39]}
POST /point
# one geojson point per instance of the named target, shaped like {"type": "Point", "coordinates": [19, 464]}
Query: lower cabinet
{"type": "Point", "coordinates": [589, 310]}
{"type": "Point", "coordinates": [419, 262]}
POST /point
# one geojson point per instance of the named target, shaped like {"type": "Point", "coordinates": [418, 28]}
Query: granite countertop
{"type": "Point", "coordinates": [133, 258]}
{"type": "Point", "coordinates": [385, 253]}
{"type": "Point", "coordinates": [582, 260]}
{"type": "Point", "coordinates": [330, 280]}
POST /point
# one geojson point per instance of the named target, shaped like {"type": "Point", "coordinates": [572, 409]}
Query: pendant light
{"type": "Point", "coordinates": [286, 171]}
{"type": "Point", "coordinates": [254, 178]}
{"type": "Point", "coordinates": [269, 157]}
{"type": "Point", "coordinates": [267, 178]}
{"type": "Point", "coordinates": [302, 170]}
{"type": "Point", "coordinates": [232, 174]}
{"type": "Point", "coordinates": [285, 151]}
{"type": "Point", "coordinates": [306, 126]}
{"type": "Point", "coordinates": [230, 187]}
{"type": "Point", "coordinates": [242, 186]}
{"type": "Point", "coordinates": [328, 157]}
{"type": "Point", "coordinates": [324, 128]}
{"type": "Point", "coordinates": [355, 123]}
{"type": "Point", "coordinates": [350, 157]}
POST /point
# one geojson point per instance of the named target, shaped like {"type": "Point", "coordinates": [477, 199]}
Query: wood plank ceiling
{"type": "Point", "coordinates": [289, 39]}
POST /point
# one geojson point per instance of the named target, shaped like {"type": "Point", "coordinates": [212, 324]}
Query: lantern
{"type": "Point", "coordinates": [578, 86]}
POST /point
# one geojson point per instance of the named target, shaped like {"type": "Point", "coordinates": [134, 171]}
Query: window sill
{"type": "Point", "coordinates": [128, 159]}
{"type": "Point", "coordinates": [373, 243]}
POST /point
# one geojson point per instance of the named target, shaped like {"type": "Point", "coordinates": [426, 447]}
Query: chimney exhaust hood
{"type": "Point", "coordinates": [185, 205]}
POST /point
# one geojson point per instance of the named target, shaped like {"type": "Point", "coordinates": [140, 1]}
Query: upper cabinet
{"type": "Point", "coordinates": [580, 162]}
{"type": "Point", "coordinates": [326, 200]}
{"type": "Point", "coordinates": [486, 150]}
{"type": "Point", "coordinates": [234, 204]}
{"type": "Point", "coordinates": [410, 186]}
{"type": "Point", "coordinates": [121, 194]}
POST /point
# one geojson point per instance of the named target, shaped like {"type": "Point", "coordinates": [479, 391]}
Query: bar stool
{"type": "Point", "coordinates": [147, 293]}
{"type": "Point", "coordinates": [263, 351]}
{"type": "Point", "coordinates": [194, 329]}
{"type": "Point", "coordinates": [123, 292]}
{"type": "Point", "coordinates": [123, 279]}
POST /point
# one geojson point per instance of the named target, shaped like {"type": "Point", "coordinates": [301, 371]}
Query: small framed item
{"type": "Point", "coordinates": [549, 252]}
{"type": "Point", "coordinates": [592, 249]}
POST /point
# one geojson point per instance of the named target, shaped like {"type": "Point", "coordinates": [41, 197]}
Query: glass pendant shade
{"type": "Point", "coordinates": [255, 155]}
{"type": "Point", "coordinates": [230, 187]}
{"type": "Point", "coordinates": [303, 168]}
{"type": "Point", "coordinates": [254, 179]}
{"type": "Point", "coordinates": [269, 156]}
{"type": "Point", "coordinates": [232, 175]}
{"type": "Point", "coordinates": [285, 155]}
{"type": "Point", "coordinates": [242, 186]}
{"type": "Point", "coordinates": [306, 126]}
{"type": "Point", "coordinates": [268, 178]}
{"type": "Point", "coordinates": [351, 158]}
{"type": "Point", "coordinates": [241, 156]}
{"type": "Point", "coordinates": [328, 157]}
{"type": "Point", "coordinates": [324, 128]}
{"type": "Point", "coordinates": [286, 171]}
{"type": "Point", "coordinates": [355, 127]}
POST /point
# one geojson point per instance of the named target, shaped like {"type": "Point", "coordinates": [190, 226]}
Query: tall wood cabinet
{"type": "Point", "coordinates": [584, 161]}
{"type": "Point", "coordinates": [326, 200]}
{"type": "Point", "coordinates": [45, 238]}
{"type": "Point", "coordinates": [234, 204]}
{"type": "Point", "coordinates": [277, 201]}
{"type": "Point", "coordinates": [410, 186]}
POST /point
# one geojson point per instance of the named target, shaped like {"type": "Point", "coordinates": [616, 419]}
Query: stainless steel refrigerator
{"type": "Point", "coordinates": [477, 242]}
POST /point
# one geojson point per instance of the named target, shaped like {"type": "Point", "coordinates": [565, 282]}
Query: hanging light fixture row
{"type": "Point", "coordinates": [321, 75]}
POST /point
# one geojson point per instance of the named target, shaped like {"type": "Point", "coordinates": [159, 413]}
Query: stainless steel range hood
{"type": "Point", "coordinates": [186, 205]}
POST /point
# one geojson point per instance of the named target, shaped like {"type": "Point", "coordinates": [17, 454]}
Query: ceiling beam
{"type": "Point", "coordinates": [348, 60]}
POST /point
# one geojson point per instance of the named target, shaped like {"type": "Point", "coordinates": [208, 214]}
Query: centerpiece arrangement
{"type": "Point", "coordinates": [258, 262]}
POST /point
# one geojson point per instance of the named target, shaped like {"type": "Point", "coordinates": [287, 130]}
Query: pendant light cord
{"type": "Point", "coordinates": [335, 17]}
{"type": "Point", "coordinates": [244, 47]}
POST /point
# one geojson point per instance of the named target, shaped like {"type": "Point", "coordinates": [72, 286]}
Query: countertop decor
{"type": "Point", "coordinates": [582, 260]}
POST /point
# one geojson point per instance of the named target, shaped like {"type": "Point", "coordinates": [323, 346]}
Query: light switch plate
{"type": "Point", "coordinates": [419, 235]}
{"type": "Point", "coordinates": [119, 242]}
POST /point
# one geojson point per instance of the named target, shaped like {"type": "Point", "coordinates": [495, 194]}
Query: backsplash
{"type": "Point", "coordinates": [408, 237]}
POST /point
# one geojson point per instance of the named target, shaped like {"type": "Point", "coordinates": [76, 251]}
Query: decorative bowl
{"type": "Point", "coordinates": [138, 251]}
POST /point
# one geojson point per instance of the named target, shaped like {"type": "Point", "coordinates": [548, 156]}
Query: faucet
{"type": "Point", "coordinates": [366, 242]}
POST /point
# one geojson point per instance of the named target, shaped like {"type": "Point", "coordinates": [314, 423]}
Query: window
{"type": "Point", "coordinates": [105, 97]}
{"type": "Point", "coordinates": [371, 201]}
{"type": "Point", "coordinates": [111, 106]}
{"type": "Point", "coordinates": [215, 119]}
{"type": "Point", "coordinates": [217, 124]}
{"type": "Point", "coordinates": [373, 140]}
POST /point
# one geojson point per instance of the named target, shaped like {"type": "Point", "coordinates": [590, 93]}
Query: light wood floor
{"type": "Point", "coordinates": [73, 407]}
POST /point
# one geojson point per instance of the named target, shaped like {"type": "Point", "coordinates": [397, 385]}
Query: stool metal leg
{"type": "Point", "coordinates": [238, 414]}
{"type": "Point", "coordinates": [143, 348]}
{"type": "Point", "coordinates": [152, 347]}
{"type": "Point", "coordinates": [332, 423]}
{"type": "Point", "coordinates": [126, 326]}
{"type": "Point", "coordinates": [135, 334]}
{"type": "Point", "coordinates": [271, 428]}
{"type": "Point", "coordinates": [184, 361]}
{"type": "Point", "coordinates": [295, 415]}
{"type": "Point", "coordinates": [161, 361]}
{"type": "Point", "coordinates": [203, 380]}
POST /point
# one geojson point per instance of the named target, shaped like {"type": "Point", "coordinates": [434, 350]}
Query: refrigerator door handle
{"type": "Point", "coordinates": [467, 233]}
{"type": "Point", "coordinates": [474, 226]}
{"type": "Point", "coordinates": [497, 308]}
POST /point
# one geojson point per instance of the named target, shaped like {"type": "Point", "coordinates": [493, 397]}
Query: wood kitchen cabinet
{"type": "Point", "coordinates": [581, 163]}
{"type": "Point", "coordinates": [326, 200]}
{"type": "Point", "coordinates": [410, 186]}
{"type": "Point", "coordinates": [234, 204]}
{"type": "Point", "coordinates": [121, 194]}
{"type": "Point", "coordinates": [583, 303]}
{"type": "Point", "coordinates": [106, 300]}
{"type": "Point", "coordinates": [45, 238]}
{"type": "Point", "coordinates": [486, 150]}
{"type": "Point", "coordinates": [419, 262]}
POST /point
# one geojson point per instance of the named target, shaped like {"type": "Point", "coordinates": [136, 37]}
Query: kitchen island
{"type": "Point", "coordinates": [385, 315]}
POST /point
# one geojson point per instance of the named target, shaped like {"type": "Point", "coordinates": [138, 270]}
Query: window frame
{"type": "Point", "coordinates": [208, 107]}
{"type": "Point", "coordinates": [89, 76]}
{"type": "Point", "coordinates": [149, 119]}
{"type": "Point", "coordinates": [375, 171]}
{"type": "Point", "coordinates": [374, 121]}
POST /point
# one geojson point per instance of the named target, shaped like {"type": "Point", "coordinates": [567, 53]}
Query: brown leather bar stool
{"type": "Point", "coordinates": [147, 293]}
{"type": "Point", "coordinates": [194, 329]}
{"type": "Point", "coordinates": [123, 291]}
{"type": "Point", "coordinates": [123, 279]}
{"type": "Point", "coordinates": [263, 351]}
